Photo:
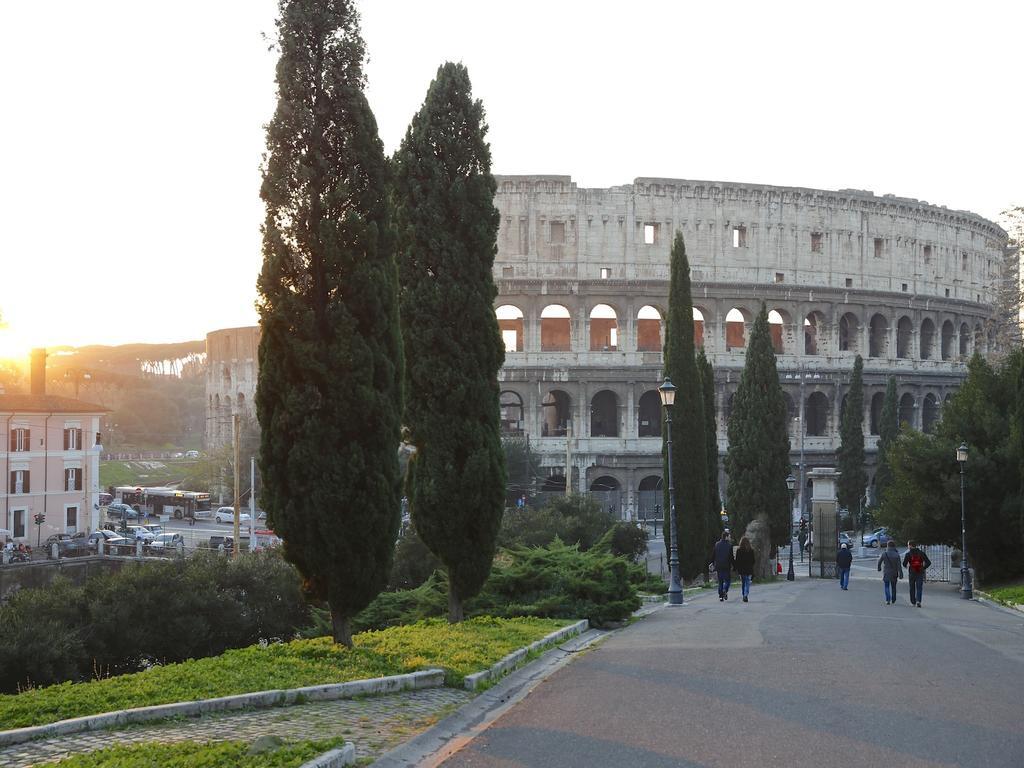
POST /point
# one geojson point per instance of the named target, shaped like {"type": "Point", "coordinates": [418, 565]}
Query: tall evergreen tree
{"type": "Point", "coordinates": [757, 461]}
{"type": "Point", "coordinates": [448, 229]}
{"type": "Point", "coordinates": [689, 446]}
{"type": "Point", "coordinates": [330, 358]}
{"type": "Point", "coordinates": [888, 431]}
{"type": "Point", "coordinates": [707, 380]}
{"type": "Point", "coordinates": [853, 478]}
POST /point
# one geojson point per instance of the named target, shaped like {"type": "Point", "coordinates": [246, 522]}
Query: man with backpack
{"type": "Point", "coordinates": [916, 562]}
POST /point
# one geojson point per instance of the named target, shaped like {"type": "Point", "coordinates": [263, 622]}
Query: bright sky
{"type": "Point", "coordinates": [132, 131]}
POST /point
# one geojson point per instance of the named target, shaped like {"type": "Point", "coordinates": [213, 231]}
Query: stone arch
{"type": "Point", "coordinates": [649, 414]}
{"type": "Point", "coordinates": [791, 412]}
{"type": "Point", "coordinates": [877, 403]}
{"type": "Point", "coordinates": [906, 410]}
{"type": "Point", "coordinates": [699, 323]}
{"type": "Point", "coordinates": [604, 414]}
{"type": "Point", "coordinates": [605, 483]}
{"type": "Point", "coordinates": [815, 341]}
{"type": "Point", "coordinates": [929, 413]}
{"type": "Point", "coordinates": [948, 336]}
{"type": "Point", "coordinates": [511, 413]}
{"type": "Point", "coordinates": [965, 340]}
{"type": "Point", "coordinates": [904, 334]}
{"type": "Point", "coordinates": [240, 403]}
{"type": "Point", "coordinates": [604, 329]}
{"type": "Point", "coordinates": [849, 333]}
{"type": "Point", "coordinates": [776, 329]}
{"type": "Point", "coordinates": [816, 414]}
{"type": "Point", "coordinates": [650, 497]}
{"type": "Point", "coordinates": [927, 339]}
{"type": "Point", "coordinates": [878, 336]}
{"type": "Point", "coordinates": [649, 328]}
{"type": "Point", "coordinates": [556, 410]}
{"type": "Point", "coordinates": [510, 323]}
{"type": "Point", "coordinates": [555, 329]}
{"type": "Point", "coordinates": [736, 320]}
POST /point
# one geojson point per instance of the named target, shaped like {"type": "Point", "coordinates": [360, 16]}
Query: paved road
{"type": "Point", "coordinates": [803, 675]}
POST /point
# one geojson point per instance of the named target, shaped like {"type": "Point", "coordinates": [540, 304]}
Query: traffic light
{"type": "Point", "coordinates": [40, 518]}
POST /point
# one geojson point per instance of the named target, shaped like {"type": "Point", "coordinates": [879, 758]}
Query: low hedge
{"type": "Point", "coordinates": [190, 754]}
{"type": "Point", "coordinates": [461, 649]}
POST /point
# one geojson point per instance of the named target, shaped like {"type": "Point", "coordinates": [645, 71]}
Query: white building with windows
{"type": "Point", "coordinates": [49, 462]}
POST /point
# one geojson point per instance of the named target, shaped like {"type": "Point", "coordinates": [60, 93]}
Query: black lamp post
{"type": "Point", "coordinates": [966, 586]}
{"type": "Point", "coordinates": [675, 588]}
{"type": "Point", "coordinates": [791, 484]}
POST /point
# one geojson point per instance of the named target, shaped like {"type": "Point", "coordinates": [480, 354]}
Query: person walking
{"type": "Point", "coordinates": [917, 563]}
{"type": "Point", "coordinates": [723, 560]}
{"type": "Point", "coordinates": [890, 560]}
{"type": "Point", "coordinates": [844, 559]}
{"type": "Point", "coordinates": [744, 560]}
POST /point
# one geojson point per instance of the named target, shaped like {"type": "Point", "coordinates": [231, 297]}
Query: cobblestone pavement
{"type": "Point", "coordinates": [375, 724]}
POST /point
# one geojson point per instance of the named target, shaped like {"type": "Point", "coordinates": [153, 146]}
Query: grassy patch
{"type": "Point", "coordinates": [189, 754]}
{"type": "Point", "coordinates": [1008, 593]}
{"type": "Point", "coordinates": [460, 649]}
{"type": "Point", "coordinates": [151, 473]}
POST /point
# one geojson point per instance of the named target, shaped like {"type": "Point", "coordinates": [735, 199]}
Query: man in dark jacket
{"type": "Point", "coordinates": [723, 562]}
{"type": "Point", "coordinates": [844, 560]}
{"type": "Point", "coordinates": [916, 562]}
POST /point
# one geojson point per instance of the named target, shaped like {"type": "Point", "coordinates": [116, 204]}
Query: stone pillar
{"type": "Point", "coordinates": [823, 510]}
{"type": "Point", "coordinates": [631, 427]}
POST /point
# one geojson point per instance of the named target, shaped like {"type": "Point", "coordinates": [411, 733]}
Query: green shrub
{"type": "Point", "coordinates": [574, 519]}
{"type": "Point", "coordinates": [624, 540]}
{"type": "Point", "coordinates": [189, 754]}
{"type": "Point", "coordinates": [413, 562]}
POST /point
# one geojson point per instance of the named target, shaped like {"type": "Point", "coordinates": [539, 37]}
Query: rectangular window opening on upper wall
{"type": "Point", "coordinates": [739, 237]}
{"type": "Point", "coordinates": [927, 254]}
{"type": "Point", "coordinates": [557, 232]}
{"type": "Point", "coordinates": [780, 277]}
{"type": "Point", "coordinates": [878, 247]}
{"type": "Point", "coordinates": [849, 282]}
{"type": "Point", "coordinates": [816, 242]}
{"type": "Point", "coordinates": [508, 271]}
{"type": "Point", "coordinates": [651, 234]}
{"type": "Point", "coordinates": [605, 273]}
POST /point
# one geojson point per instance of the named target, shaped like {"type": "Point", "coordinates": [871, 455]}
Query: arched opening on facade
{"type": "Point", "coordinates": [842, 408]}
{"type": "Point", "coordinates": [775, 327]}
{"type": "Point", "coordinates": [510, 323]}
{"type": "Point", "coordinates": [605, 483]}
{"type": "Point", "coordinates": [735, 330]}
{"type": "Point", "coordinates": [948, 335]}
{"type": "Point", "coordinates": [814, 334]}
{"type": "Point", "coordinates": [553, 484]}
{"type": "Point", "coordinates": [650, 496]}
{"type": "Point", "coordinates": [511, 413]}
{"type": "Point", "coordinates": [816, 414]}
{"type": "Point", "coordinates": [904, 332]}
{"type": "Point", "coordinates": [965, 341]}
{"type": "Point", "coordinates": [929, 413]}
{"type": "Point", "coordinates": [877, 403]}
{"type": "Point", "coordinates": [226, 375]}
{"type": "Point", "coordinates": [791, 413]}
{"type": "Point", "coordinates": [555, 410]}
{"type": "Point", "coordinates": [240, 403]}
{"type": "Point", "coordinates": [554, 329]}
{"type": "Point", "coordinates": [604, 414]}
{"type": "Point", "coordinates": [698, 328]}
{"type": "Point", "coordinates": [927, 339]}
{"type": "Point", "coordinates": [604, 329]}
{"type": "Point", "coordinates": [878, 337]}
{"type": "Point", "coordinates": [607, 492]}
{"type": "Point", "coordinates": [849, 333]}
{"type": "Point", "coordinates": [649, 414]}
{"type": "Point", "coordinates": [906, 411]}
{"type": "Point", "coordinates": [648, 330]}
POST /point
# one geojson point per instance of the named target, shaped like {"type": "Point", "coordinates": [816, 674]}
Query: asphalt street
{"type": "Point", "coordinates": [802, 675]}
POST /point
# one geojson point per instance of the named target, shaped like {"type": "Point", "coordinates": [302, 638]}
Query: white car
{"type": "Point", "coordinates": [191, 454]}
{"type": "Point", "coordinates": [139, 533]}
{"type": "Point", "coordinates": [166, 541]}
{"type": "Point", "coordinates": [227, 515]}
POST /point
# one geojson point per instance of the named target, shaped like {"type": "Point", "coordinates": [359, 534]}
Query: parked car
{"type": "Point", "coordinates": [227, 515]}
{"type": "Point", "coordinates": [844, 538]}
{"type": "Point", "coordinates": [105, 499]}
{"type": "Point", "coordinates": [166, 541]}
{"type": "Point", "coordinates": [154, 528]}
{"type": "Point", "coordinates": [191, 454]}
{"type": "Point", "coordinates": [216, 541]}
{"type": "Point", "coordinates": [877, 538]}
{"type": "Point", "coordinates": [121, 511]}
{"type": "Point", "coordinates": [110, 539]}
{"type": "Point", "coordinates": [139, 533]}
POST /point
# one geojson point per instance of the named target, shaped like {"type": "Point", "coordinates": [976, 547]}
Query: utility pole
{"type": "Point", "coordinates": [803, 429]}
{"type": "Point", "coordinates": [252, 502]}
{"type": "Point", "coordinates": [236, 423]}
{"type": "Point", "coordinates": [568, 457]}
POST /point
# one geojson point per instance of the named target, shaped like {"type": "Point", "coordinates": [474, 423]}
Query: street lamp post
{"type": "Point", "coordinates": [675, 588]}
{"type": "Point", "coordinates": [791, 484]}
{"type": "Point", "coordinates": [966, 586]}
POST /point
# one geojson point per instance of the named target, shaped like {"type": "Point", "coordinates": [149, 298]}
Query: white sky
{"type": "Point", "coordinates": [132, 131]}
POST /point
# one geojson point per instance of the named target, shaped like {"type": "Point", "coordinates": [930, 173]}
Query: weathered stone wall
{"type": "Point", "coordinates": [231, 373]}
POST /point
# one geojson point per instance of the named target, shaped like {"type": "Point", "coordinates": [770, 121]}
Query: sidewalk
{"type": "Point", "coordinates": [375, 724]}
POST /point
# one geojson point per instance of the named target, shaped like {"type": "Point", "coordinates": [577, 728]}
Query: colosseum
{"type": "Point", "coordinates": [582, 279]}
{"type": "Point", "coordinates": [231, 370]}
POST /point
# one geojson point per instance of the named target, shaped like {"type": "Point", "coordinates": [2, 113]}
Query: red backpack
{"type": "Point", "coordinates": [916, 562]}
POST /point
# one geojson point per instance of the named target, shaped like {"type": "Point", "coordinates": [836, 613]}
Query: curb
{"type": "Point", "coordinates": [1012, 606]}
{"type": "Point", "coordinates": [474, 681]}
{"type": "Point", "coordinates": [345, 755]}
{"type": "Point", "coordinates": [413, 681]}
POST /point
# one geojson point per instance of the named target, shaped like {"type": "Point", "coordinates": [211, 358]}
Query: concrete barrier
{"type": "Point", "coordinates": [514, 659]}
{"type": "Point", "coordinates": [345, 755]}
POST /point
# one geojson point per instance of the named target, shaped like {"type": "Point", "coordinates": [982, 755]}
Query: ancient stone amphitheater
{"type": "Point", "coordinates": [582, 279]}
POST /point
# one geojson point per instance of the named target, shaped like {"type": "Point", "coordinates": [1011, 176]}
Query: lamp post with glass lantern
{"type": "Point", "coordinates": [791, 484]}
{"type": "Point", "coordinates": [966, 587]}
{"type": "Point", "coordinates": [675, 588]}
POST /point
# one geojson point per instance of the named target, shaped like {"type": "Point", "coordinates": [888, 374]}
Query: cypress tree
{"type": "Point", "coordinates": [330, 358]}
{"type": "Point", "coordinates": [853, 478]}
{"type": "Point", "coordinates": [707, 380]}
{"type": "Point", "coordinates": [448, 229]}
{"type": "Point", "coordinates": [757, 461]}
{"type": "Point", "coordinates": [689, 445]}
{"type": "Point", "coordinates": [888, 431]}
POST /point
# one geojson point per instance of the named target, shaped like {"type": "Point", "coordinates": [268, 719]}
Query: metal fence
{"type": "Point", "coordinates": [941, 566]}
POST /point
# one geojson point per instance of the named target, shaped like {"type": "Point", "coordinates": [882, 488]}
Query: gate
{"type": "Point", "coordinates": [941, 566]}
{"type": "Point", "coordinates": [822, 561]}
